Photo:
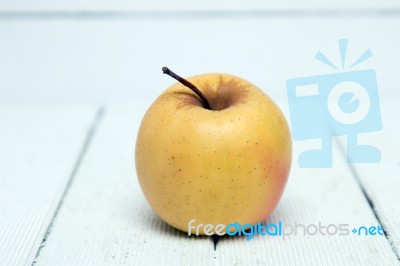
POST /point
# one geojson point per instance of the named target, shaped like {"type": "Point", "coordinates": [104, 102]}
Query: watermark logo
{"type": "Point", "coordinates": [345, 103]}
{"type": "Point", "coordinates": [281, 229]}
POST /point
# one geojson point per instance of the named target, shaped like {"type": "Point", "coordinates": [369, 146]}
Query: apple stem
{"type": "Point", "coordinates": [186, 83]}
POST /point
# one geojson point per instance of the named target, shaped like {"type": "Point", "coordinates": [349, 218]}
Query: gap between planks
{"type": "Point", "coordinates": [89, 137]}
{"type": "Point", "coordinates": [88, 140]}
{"type": "Point", "coordinates": [364, 192]}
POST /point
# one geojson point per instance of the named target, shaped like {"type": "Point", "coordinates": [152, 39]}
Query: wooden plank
{"type": "Point", "coordinates": [117, 60]}
{"type": "Point", "coordinates": [38, 149]}
{"type": "Point", "coordinates": [180, 5]}
{"type": "Point", "coordinates": [381, 181]}
{"type": "Point", "coordinates": [105, 218]}
{"type": "Point", "coordinates": [268, 52]}
{"type": "Point", "coordinates": [313, 196]}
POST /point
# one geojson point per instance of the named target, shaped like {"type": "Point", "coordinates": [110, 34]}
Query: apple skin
{"type": "Point", "coordinates": [217, 166]}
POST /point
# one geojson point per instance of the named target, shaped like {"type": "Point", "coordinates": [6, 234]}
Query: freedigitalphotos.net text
{"type": "Point", "coordinates": [281, 229]}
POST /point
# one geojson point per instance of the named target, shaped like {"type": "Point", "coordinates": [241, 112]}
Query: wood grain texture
{"type": "Point", "coordinates": [382, 181]}
{"type": "Point", "coordinates": [326, 196]}
{"type": "Point", "coordinates": [38, 149]}
{"type": "Point", "coordinates": [106, 220]}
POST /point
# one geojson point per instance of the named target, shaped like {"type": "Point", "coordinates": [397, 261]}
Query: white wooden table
{"type": "Point", "coordinates": [74, 86]}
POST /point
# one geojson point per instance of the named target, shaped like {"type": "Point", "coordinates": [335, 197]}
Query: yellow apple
{"type": "Point", "coordinates": [219, 166]}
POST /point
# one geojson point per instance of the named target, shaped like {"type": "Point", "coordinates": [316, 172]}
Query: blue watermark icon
{"type": "Point", "coordinates": [345, 103]}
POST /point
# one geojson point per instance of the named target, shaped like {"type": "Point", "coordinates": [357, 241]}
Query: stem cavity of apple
{"type": "Point", "coordinates": [186, 83]}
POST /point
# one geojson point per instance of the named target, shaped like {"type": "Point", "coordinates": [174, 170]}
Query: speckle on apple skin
{"type": "Point", "coordinates": [240, 160]}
